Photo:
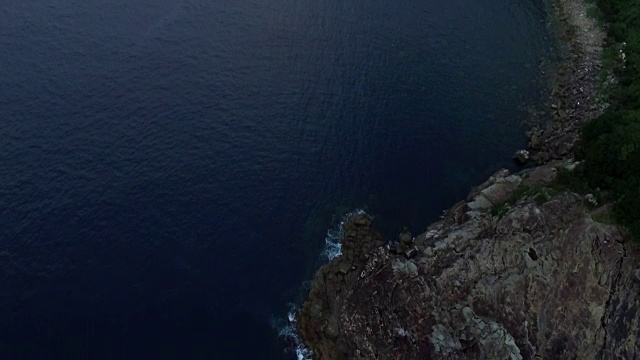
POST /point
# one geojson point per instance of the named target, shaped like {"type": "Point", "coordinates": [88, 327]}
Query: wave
{"type": "Point", "coordinates": [333, 239]}
{"type": "Point", "coordinates": [290, 333]}
{"type": "Point", "coordinates": [333, 249]}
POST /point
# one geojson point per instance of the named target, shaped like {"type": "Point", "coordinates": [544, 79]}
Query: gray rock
{"type": "Point", "coordinates": [535, 142]}
{"type": "Point", "coordinates": [500, 191]}
{"type": "Point", "coordinates": [479, 202]}
{"type": "Point", "coordinates": [411, 252]}
{"type": "Point", "coordinates": [542, 157]}
{"type": "Point", "coordinates": [483, 266]}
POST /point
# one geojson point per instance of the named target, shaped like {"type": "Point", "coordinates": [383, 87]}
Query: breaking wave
{"type": "Point", "coordinates": [333, 249]}
{"type": "Point", "coordinates": [290, 333]}
{"type": "Point", "coordinates": [333, 239]}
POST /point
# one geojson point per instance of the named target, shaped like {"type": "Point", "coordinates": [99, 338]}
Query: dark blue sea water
{"type": "Point", "coordinates": [169, 169]}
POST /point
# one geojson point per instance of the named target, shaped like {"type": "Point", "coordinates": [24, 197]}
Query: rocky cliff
{"type": "Point", "coordinates": [520, 270]}
{"type": "Point", "coordinates": [523, 269]}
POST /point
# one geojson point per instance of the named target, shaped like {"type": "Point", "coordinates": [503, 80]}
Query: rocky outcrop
{"type": "Point", "coordinates": [520, 270]}
{"type": "Point", "coordinates": [541, 278]}
{"type": "Point", "coordinates": [320, 317]}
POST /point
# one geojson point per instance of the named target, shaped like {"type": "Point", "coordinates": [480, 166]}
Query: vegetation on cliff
{"type": "Point", "coordinates": [610, 144]}
{"type": "Point", "coordinates": [478, 285]}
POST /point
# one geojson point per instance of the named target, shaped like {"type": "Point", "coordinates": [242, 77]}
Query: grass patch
{"type": "Point", "coordinates": [572, 180]}
{"type": "Point", "coordinates": [500, 210]}
{"type": "Point", "coordinates": [594, 13]}
{"type": "Point", "coordinates": [539, 194]}
{"type": "Point", "coordinates": [605, 216]}
{"type": "Point", "coordinates": [611, 64]}
{"type": "Point", "coordinates": [541, 198]}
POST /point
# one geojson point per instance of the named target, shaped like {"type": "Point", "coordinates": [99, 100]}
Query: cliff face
{"type": "Point", "coordinates": [541, 278]}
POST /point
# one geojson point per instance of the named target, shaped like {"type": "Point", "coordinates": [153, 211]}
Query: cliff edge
{"type": "Point", "coordinates": [520, 270]}
{"type": "Point", "coordinates": [523, 269]}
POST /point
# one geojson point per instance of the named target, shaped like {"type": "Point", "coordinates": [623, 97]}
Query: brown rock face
{"type": "Point", "coordinates": [320, 316]}
{"type": "Point", "coordinates": [543, 280]}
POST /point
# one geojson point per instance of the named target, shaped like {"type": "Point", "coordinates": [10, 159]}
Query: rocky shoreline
{"type": "Point", "coordinates": [546, 277]}
{"type": "Point", "coordinates": [521, 269]}
{"type": "Point", "coordinates": [573, 98]}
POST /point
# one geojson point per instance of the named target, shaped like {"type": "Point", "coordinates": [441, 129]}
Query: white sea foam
{"type": "Point", "coordinates": [290, 332]}
{"type": "Point", "coordinates": [333, 249]}
{"type": "Point", "coordinates": [333, 245]}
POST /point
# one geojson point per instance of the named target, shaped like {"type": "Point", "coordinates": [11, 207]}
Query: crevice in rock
{"type": "Point", "coordinates": [612, 293]}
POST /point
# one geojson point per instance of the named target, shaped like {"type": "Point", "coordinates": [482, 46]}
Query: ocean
{"type": "Point", "coordinates": [170, 170]}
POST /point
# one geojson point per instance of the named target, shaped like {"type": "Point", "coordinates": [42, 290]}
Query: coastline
{"type": "Point", "coordinates": [477, 282]}
{"type": "Point", "coordinates": [573, 98]}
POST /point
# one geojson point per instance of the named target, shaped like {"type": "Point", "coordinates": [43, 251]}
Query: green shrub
{"type": "Point", "coordinates": [610, 145]}
{"type": "Point", "coordinates": [572, 180]}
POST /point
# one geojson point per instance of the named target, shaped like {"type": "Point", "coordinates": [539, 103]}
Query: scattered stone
{"type": "Point", "coordinates": [406, 238]}
{"type": "Point", "coordinates": [411, 252]}
{"type": "Point", "coordinates": [412, 268]}
{"type": "Point", "coordinates": [398, 248]}
{"type": "Point", "coordinates": [542, 157]}
{"type": "Point", "coordinates": [428, 252]}
{"type": "Point", "coordinates": [535, 142]}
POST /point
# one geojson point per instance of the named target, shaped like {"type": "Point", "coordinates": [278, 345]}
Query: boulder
{"type": "Point", "coordinates": [501, 191]}
{"type": "Point", "coordinates": [535, 142]}
{"type": "Point", "coordinates": [542, 157]}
